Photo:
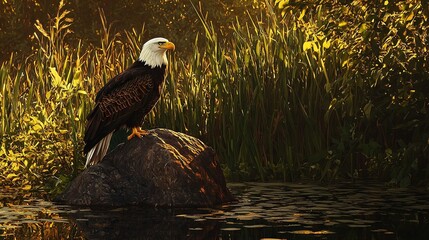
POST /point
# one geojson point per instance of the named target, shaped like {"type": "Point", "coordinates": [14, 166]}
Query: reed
{"type": "Point", "coordinates": [46, 97]}
{"type": "Point", "coordinates": [259, 99]}
{"type": "Point", "coordinates": [277, 100]}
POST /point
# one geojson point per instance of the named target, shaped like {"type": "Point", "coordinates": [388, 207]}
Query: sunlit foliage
{"type": "Point", "coordinates": [381, 95]}
{"type": "Point", "coordinates": [308, 89]}
{"type": "Point", "coordinates": [42, 107]}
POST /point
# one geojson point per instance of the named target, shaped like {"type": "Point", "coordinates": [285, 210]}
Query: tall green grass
{"type": "Point", "coordinates": [280, 100]}
{"type": "Point", "coordinates": [45, 99]}
{"type": "Point", "coordinates": [261, 99]}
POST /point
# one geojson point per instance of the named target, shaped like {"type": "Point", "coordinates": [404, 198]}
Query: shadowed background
{"type": "Point", "coordinates": [282, 90]}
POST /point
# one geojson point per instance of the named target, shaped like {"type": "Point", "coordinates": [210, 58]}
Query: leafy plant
{"type": "Point", "coordinates": [309, 89]}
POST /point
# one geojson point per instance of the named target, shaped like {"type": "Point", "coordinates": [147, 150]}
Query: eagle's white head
{"type": "Point", "coordinates": [154, 52]}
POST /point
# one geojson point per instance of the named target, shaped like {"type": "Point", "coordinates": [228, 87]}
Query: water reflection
{"type": "Point", "coordinates": [140, 223]}
{"type": "Point", "coordinates": [263, 211]}
{"type": "Point", "coordinates": [35, 219]}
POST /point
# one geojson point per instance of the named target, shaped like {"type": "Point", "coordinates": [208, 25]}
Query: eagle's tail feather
{"type": "Point", "coordinates": [97, 153]}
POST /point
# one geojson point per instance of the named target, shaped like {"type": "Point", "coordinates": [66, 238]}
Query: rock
{"type": "Point", "coordinates": [164, 168]}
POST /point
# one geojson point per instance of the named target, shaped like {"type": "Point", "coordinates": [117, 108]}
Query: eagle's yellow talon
{"type": "Point", "coordinates": [136, 131]}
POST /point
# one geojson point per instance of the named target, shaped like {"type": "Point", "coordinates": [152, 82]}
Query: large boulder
{"type": "Point", "coordinates": [164, 168]}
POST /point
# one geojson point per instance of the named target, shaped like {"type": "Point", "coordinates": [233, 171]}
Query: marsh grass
{"type": "Point", "coordinates": [260, 102]}
{"type": "Point", "coordinates": [272, 100]}
{"type": "Point", "coordinates": [259, 99]}
{"type": "Point", "coordinates": [45, 100]}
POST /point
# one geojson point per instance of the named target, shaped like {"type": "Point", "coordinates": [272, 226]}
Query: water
{"type": "Point", "coordinates": [262, 211]}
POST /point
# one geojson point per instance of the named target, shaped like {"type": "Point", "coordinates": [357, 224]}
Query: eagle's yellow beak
{"type": "Point", "coordinates": [168, 45]}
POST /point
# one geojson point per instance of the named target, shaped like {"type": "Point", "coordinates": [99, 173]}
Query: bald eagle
{"type": "Point", "coordinates": [126, 99]}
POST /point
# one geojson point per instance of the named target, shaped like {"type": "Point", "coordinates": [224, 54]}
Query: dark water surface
{"type": "Point", "coordinates": [263, 211]}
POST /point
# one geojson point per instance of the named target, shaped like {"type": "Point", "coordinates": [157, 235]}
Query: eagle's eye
{"type": "Point", "coordinates": [160, 43]}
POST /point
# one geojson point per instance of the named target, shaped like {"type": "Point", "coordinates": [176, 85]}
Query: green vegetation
{"type": "Point", "coordinates": [333, 91]}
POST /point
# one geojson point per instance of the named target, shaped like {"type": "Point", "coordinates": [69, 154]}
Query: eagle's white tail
{"type": "Point", "coordinates": [97, 153]}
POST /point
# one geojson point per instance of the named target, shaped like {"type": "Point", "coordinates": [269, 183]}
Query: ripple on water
{"type": "Point", "coordinates": [310, 232]}
{"type": "Point", "coordinates": [262, 211]}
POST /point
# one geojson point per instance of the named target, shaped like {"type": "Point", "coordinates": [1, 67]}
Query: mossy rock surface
{"type": "Point", "coordinates": [164, 168]}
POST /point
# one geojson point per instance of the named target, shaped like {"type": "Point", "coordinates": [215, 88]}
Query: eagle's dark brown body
{"type": "Point", "coordinates": [124, 101]}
